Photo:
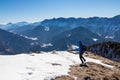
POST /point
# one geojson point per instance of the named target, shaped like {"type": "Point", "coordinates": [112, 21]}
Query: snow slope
{"type": "Point", "coordinates": [42, 66]}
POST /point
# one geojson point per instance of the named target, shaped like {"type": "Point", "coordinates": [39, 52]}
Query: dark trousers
{"type": "Point", "coordinates": [82, 58]}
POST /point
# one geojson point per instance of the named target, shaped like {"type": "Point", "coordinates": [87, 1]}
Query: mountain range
{"type": "Point", "coordinates": [62, 33]}
{"type": "Point", "coordinates": [13, 43]}
{"type": "Point", "coordinates": [108, 28]}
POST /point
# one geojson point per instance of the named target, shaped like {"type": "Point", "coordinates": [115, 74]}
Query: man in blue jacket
{"type": "Point", "coordinates": [81, 51]}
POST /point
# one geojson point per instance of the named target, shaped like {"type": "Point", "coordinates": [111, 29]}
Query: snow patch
{"type": "Point", "coordinates": [111, 37]}
{"type": "Point", "coordinates": [46, 45]}
{"type": "Point", "coordinates": [68, 35]}
{"type": "Point", "coordinates": [34, 43]}
{"type": "Point", "coordinates": [94, 39]}
{"type": "Point", "coordinates": [98, 62]}
{"type": "Point", "coordinates": [73, 47]}
{"type": "Point", "coordinates": [29, 37]}
{"type": "Point", "coordinates": [47, 29]}
{"type": "Point", "coordinates": [43, 66]}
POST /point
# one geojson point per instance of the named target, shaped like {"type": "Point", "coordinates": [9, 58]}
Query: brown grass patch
{"type": "Point", "coordinates": [95, 72]}
{"type": "Point", "coordinates": [92, 72]}
{"type": "Point", "coordinates": [104, 60]}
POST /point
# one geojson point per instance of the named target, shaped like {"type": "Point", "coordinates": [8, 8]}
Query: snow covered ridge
{"type": "Point", "coordinates": [42, 66]}
{"type": "Point", "coordinates": [31, 38]}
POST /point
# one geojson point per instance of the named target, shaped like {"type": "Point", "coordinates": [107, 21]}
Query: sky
{"type": "Point", "coordinates": [38, 10]}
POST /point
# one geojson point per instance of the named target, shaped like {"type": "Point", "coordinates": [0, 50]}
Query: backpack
{"type": "Point", "coordinates": [84, 48]}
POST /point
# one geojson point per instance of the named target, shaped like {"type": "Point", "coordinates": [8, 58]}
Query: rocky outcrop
{"type": "Point", "coordinates": [109, 50]}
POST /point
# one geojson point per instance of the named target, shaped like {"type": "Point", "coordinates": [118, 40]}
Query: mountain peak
{"type": "Point", "coordinates": [116, 17]}
{"type": "Point", "coordinates": [10, 23]}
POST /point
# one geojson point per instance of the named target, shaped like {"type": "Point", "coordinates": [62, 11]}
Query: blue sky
{"type": "Point", "coordinates": [38, 10]}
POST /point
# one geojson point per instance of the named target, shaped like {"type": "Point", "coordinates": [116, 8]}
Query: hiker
{"type": "Point", "coordinates": [81, 52]}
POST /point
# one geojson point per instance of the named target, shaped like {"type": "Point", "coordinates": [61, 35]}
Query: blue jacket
{"type": "Point", "coordinates": [81, 49]}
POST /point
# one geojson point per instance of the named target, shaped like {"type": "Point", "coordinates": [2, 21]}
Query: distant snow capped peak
{"type": "Point", "coordinates": [22, 23]}
{"type": "Point", "coordinates": [118, 16]}
{"type": "Point", "coordinates": [14, 25]}
{"type": "Point", "coordinates": [36, 23]}
{"type": "Point", "coordinates": [9, 23]}
{"type": "Point", "coordinates": [18, 23]}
